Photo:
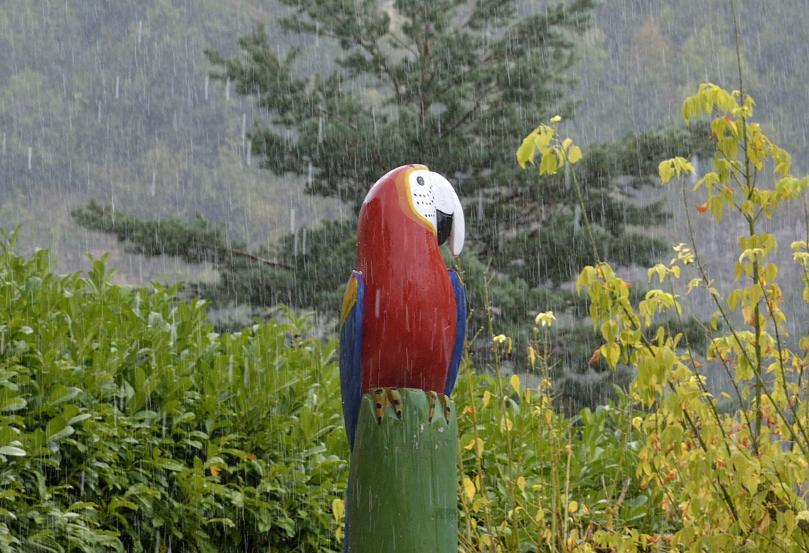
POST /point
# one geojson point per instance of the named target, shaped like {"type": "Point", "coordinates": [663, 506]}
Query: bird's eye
{"type": "Point", "coordinates": [420, 181]}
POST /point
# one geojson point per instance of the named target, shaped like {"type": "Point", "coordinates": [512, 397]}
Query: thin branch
{"type": "Point", "coordinates": [463, 119]}
{"type": "Point", "coordinates": [261, 260]}
{"type": "Point", "coordinates": [758, 379]}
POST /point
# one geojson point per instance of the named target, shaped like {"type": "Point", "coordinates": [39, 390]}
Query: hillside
{"type": "Point", "coordinates": [113, 102]}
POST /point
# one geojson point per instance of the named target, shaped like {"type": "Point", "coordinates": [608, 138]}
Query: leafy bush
{"type": "Point", "coordinates": [734, 481]}
{"type": "Point", "coordinates": [533, 479]}
{"type": "Point", "coordinates": [729, 477]}
{"type": "Point", "coordinates": [126, 424]}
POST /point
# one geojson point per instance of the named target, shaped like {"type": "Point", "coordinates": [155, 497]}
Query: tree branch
{"type": "Point", "coordinates": [261, 260]}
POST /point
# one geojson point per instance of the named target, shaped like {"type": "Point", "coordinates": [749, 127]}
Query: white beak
{"type": "Point", "coordinates": [435, 200]}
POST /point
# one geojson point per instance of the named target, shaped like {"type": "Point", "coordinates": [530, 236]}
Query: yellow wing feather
{"type": "Point", "coordinates": [350, 299]}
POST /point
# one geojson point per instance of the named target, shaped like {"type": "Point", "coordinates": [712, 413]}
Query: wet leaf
{"type": "Point", "coordinates": [338, 509]}
{"type": "Point", "coordinates": [469, 488]}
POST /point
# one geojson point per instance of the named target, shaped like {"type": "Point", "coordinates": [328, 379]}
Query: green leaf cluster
{"type": "Point", "coordinates": [532, 478]}
{"type": "Point", "coordinates": [127, 424]}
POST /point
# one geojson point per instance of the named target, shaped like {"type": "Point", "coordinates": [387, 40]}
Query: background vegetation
{"type": "Point", "coordinates": [436, 82]}
{"type": "Point", "coordinates": [127, 423]}
{"type": "Point", "coordinates": [126, 420]}
{"type": "Point", "coordinates": [116, 104]}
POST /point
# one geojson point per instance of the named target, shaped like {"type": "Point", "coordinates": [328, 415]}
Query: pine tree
{"type": "Point", "coordinates": [451, 84]}
{"type": "Point", "coordinates": [454, 85]}
{"type": "Point", "coordinates": [452, 81]}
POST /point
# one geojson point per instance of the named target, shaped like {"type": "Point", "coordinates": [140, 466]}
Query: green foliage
{"type": "Point", "coordinates": [125, 420]}
{"type": "Point", "coordinates": [432, 82]}
{"type": "Point", "coordinates": [310, 270]}
{"type": "Point", "coordinates": [396, 98]}
{"type": "Point", "coordinates": [534, 479]}
{"type": "Point", "coordinates": [436, 83]}
{"type": "Point", "coordinates": [126, 423]}
{"type": "Point", "coordinates": [323, 259]}
{"type": "Point", "coordinates": [194, 242]}
{"type": "Point", "coordinates": [555, 248]}
{"type": "Point", "coordinates": [312, 264]}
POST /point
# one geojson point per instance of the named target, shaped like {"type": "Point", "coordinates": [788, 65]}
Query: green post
{"type": "Point", "coordinates": [403, 495]}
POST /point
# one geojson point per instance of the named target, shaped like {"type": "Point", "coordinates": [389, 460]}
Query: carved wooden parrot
{"type": "Point", "coordinates": [403, 322]}
{"type": "Point", "coordinates": [403, 325]}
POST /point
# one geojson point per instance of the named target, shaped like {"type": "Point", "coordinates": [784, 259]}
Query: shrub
{"type": "Point", "coordinates": [532, 478]}
{"type": "Point", "coordinates": [126, 424]}
{"type": "Point", "coordinates": [734, 479]}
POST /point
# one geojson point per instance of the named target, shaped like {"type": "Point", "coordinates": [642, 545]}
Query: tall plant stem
{"type": "Point", "coordinates": [752, 231]}
{"type": "Point", "coordinates": [586, 219]}
{"type": "Point", "coordinates": [738, 49]}
{"type": "Point", "coordinates": [506, 421]}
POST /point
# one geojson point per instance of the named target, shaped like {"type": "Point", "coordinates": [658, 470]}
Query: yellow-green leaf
{"type": "Point", "coordinates": [543, 139]}
{"type": "Point", "coordinates": [716, 205]}
{"type": "Point", "coordinates": [476, 443]}
{"type": "Point", "coordinates": [338, 509]}
{"type": "Point", "coordinates": [476, 506]}
{"type": "Point", "coordinates": [505, 424]}
{"type": "Point", "coordinates": [548, 164]}
{"type": "Point", "coordinates": [611, 352]}
{"type": "Point", "coordinates": [469, 488]}
{"type": "Point", "coordinates": [733, 299]}
{"type": "Point", "coordinates": [515, 383]}
{"type": "Point", "coordinates": [574, 155]}
{"type": "Point", "coordinates": [526, 151]}
{"type": "Point", "coordinates": [666, 170]}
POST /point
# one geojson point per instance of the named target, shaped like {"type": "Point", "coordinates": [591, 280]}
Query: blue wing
{"type": "Point", "coordinates": [460, 331]}
{"type": "Point", "coordinates": [350, 352]}
{"type": "Point", "coordinates": [350, 367]}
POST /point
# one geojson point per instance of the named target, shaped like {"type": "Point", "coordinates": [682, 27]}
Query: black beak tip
{"type": "Point", "coordinates": [443, 225]}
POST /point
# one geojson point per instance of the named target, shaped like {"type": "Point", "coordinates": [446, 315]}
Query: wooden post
{"type": "Point", "coordinates": [403, 491]}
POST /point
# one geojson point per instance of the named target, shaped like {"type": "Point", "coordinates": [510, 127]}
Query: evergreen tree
{"type": "Point", "coordinates": [454, 85]}
{"type": "Point", "coordinates": [450, 84]}
{"type": "Point", "coordinates": [440, 82]}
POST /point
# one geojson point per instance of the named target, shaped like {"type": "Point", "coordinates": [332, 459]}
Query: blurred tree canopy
{"type": "Point", "coordinates": [443, 83]}
{"type": "Point", "coordinates": [453, 85]}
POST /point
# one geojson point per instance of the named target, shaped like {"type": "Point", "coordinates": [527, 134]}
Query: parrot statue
{"type": "Point", "coordinates": [403, 321]}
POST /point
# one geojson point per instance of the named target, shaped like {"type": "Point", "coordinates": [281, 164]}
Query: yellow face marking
{"type": "Point", "coordinates": [410, 201]}
{"type": "Point", "coordinates": [406, 198]}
